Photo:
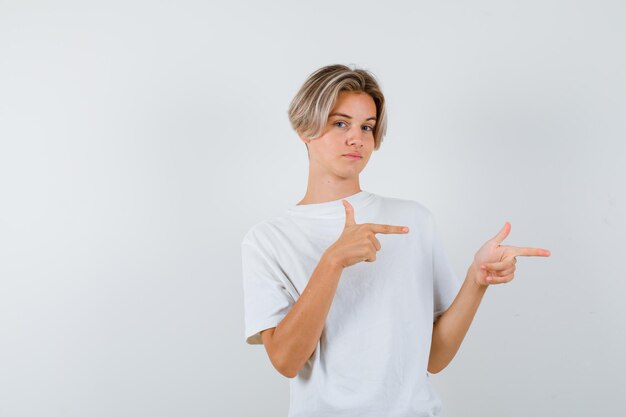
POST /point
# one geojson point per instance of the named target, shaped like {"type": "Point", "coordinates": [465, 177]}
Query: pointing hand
{"type": "Point", "coordinates": [358, 242]}
{"type": "Point", "coordinates": [495, 263]}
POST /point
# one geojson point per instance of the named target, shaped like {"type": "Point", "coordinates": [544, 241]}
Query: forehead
{"type": "Point", "coordinates": [355, 104]}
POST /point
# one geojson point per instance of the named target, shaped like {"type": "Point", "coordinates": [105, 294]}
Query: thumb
{"type": "Point", "coordinates": [503, 233]}
{"type": "Point", "coordinates": [349, 213]}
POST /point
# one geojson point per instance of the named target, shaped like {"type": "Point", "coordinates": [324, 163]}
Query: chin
{"type": "Point", "coordinates": [350, 173]}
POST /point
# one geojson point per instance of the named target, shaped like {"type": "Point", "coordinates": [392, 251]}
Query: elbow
{"type": "Point", "coordinates": [279, 358]}
{"type": "Point", "coordinates": [289, 374]}
{"type": "Point", "coordinates": [288, 370]}
{"type": "Point", "coordinates": [286, 366]}
{"type": "Point", "coordinates": [433, 370]}
{"type": "Point", "coordinates": [291, 368]}
{"type": "Point", "coordinates": [283, 368]}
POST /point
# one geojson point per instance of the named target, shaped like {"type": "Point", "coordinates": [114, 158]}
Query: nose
{"type": "Point", "coordinates": [355, 136]}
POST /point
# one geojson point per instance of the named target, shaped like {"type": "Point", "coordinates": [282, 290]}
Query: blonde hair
{"type": "Point", "coordinates": [309, 109]}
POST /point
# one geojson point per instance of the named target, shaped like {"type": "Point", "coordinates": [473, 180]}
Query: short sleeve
{"type": "Point", "coordinates": [446, 284]}
{"type": "Point", "coordinates": [266, 299]}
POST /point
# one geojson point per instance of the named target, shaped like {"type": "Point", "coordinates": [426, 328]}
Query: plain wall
{"type": "Point", "coordinates": [140, 140]}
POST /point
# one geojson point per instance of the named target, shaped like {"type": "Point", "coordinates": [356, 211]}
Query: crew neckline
{"type": "Point", "coordinates": [332, 208]}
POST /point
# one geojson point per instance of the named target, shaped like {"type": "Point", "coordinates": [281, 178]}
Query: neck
{"type": "Point", "coordinates": [330, 190]}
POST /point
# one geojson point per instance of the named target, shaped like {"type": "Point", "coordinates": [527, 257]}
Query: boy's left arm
{"type": "Point", "coordinates": [492, 264]}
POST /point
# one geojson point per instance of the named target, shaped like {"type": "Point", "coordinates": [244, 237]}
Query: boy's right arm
{"type": "Point", "coordinates": [292, 342]}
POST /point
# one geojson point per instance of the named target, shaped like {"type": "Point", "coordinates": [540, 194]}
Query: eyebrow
{"type": "Point", "coordinates": [349, 117]}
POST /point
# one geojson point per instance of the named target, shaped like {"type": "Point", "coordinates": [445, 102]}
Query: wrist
{"type": "Point", "coordinates": [331, 260]}
{"type": "Point", "coordinates": [473, 274]}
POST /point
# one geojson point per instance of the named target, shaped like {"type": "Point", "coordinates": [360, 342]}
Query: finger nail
{"type": "Point", "coordinates": [405, 229]}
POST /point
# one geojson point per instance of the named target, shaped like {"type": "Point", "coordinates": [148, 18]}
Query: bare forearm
{"type": "Point", "coordinates": [296, 336]}
{"type": "Point", "coordinates": [452, 326]}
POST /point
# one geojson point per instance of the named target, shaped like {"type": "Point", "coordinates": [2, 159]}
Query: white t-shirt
{"type": "Point", "coordinates": [372, 355]}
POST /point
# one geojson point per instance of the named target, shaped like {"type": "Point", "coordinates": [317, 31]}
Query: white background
{"type": "Point", "coordinates": [139, 140]}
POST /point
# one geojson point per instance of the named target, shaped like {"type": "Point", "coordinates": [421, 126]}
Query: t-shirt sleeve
{"type": "Point", "coordinates": [446, 283]}
{"type": "Point", "coordinates": [266, 299]}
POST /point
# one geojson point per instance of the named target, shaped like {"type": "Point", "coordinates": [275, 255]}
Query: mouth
{"type": "Point", "coordinates": [353, 156]}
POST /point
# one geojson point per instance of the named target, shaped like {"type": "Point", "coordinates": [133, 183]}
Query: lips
{"type": "Point", "coordinates": [354, 155]}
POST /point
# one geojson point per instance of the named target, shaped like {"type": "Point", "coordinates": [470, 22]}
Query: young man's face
{"type": "Point", "coordinates": [349, 129]}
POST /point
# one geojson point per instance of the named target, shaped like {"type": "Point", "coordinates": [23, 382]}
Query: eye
{"type": "Point", "coordinates": [339, 122]}
{"type": "Point", "coordinates": [371, 129]}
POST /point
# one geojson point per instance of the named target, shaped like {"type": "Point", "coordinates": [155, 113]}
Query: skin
{"type": "Point", "coordinates": [332, 176]}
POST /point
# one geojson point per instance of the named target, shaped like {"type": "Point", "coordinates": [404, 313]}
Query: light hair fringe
{"type": "Point", "coordinates": [309, 109]}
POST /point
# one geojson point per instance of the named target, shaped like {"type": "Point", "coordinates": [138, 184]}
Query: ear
{"type": "Point", "coordinates": [303, 139]}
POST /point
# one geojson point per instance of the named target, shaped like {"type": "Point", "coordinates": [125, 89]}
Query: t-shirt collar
{"type": "Point", "coordinates": [332, 208]}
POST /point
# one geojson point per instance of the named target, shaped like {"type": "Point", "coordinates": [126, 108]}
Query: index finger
{"type": "Point", "coordinates": [523, 251]}
{"type": "Point", "coordinates": [349, 213]}
{"type": "Point", "coordinates": [387, 228]}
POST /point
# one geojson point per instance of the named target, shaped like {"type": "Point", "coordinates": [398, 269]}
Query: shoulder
{"type": "Point", "coordinates": [265, 230]}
